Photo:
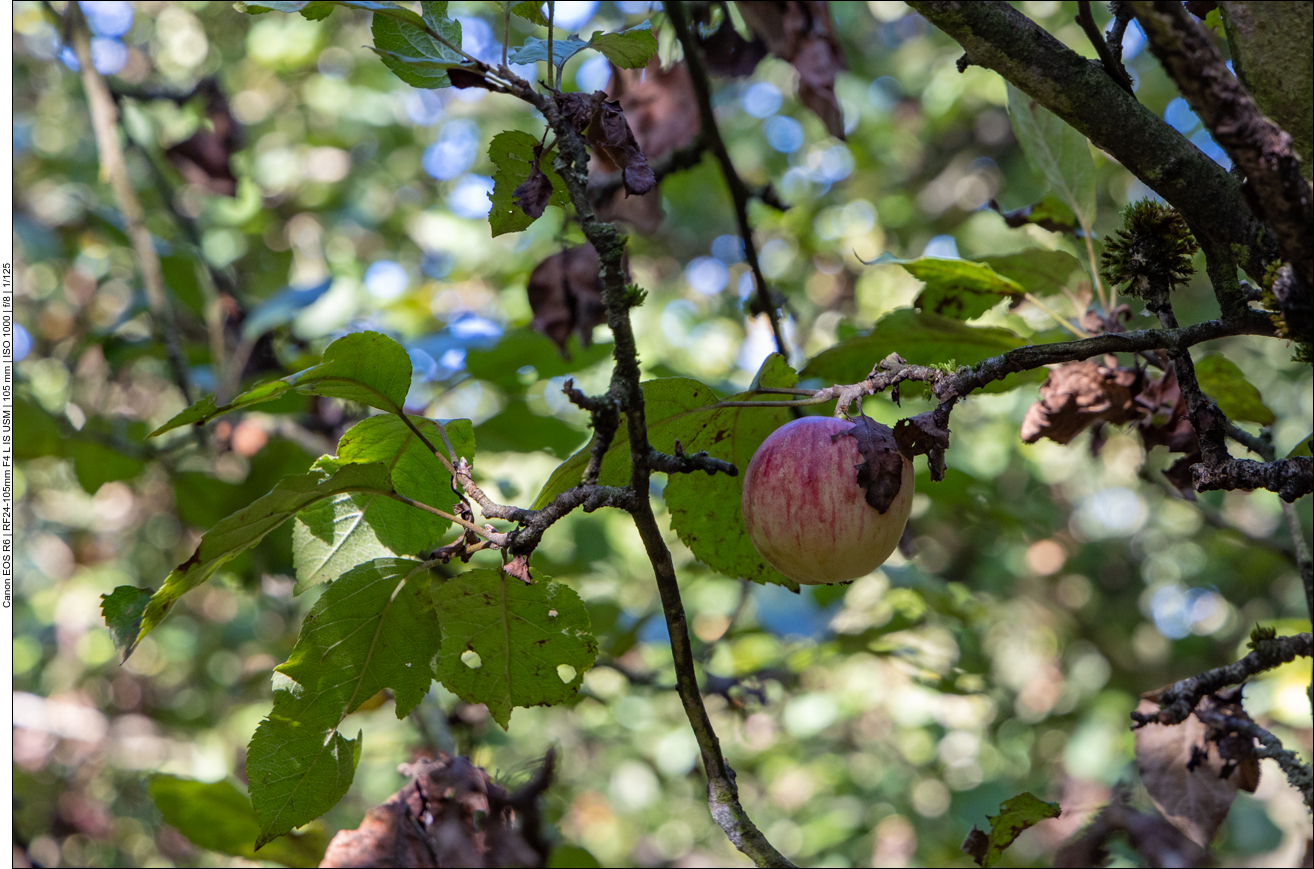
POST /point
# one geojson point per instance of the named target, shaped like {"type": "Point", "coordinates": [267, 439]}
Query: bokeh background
{"type": "Point", "coordinates": [870, 724]}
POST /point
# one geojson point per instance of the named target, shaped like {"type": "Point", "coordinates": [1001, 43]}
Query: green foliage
{"type": "Point", "coordinates": [364, 367]}
{"type": "Point", "coordinates": [628, 49]}
{"type": "Point", "coordinates": [531, 10]}
{"type": "Point", "coordinates": [1015, 815]}
{"type": "Point", "coordinates": [1222, 380]}
{"type": "Point", "coordinates": [247, 527]}
{"type": "Point", "coordinates": [1057, 152]}
{"type": "Point", "coordinates": [217, 816]}
{"type": "Point", "coordinates": [507, 643]}
{"type": "Point", "coordinates": [374, 628]}
{"type": "Point", "coordinates": [1039, 272]}
{"type": "Point", "coordinates": [958, 288]}
{"type": "Point", "coordinates": [402, 38]}
{"type": "Point", "coordinates": [512, 155]}
{"type": "Point", "coordinates": [1152, 252]}
{"type": "Point", "coordinates": [123, 609]}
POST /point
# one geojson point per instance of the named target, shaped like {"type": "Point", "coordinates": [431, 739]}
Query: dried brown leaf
{"type": "Point", "coordinates": [204, 159]}
{"type": "Point", "coordinates": [565, 294]}
{"type": "Point", "coordinates": [922, 434]}
{"type": "Point", "coordinates": [880, 473]}
{"type": "Point", "coordinates": [468, 78]}
{"type": "Point", "coordinates": [801, 32]}
{"type": "Point", "coordinates": [1187, 777]}
{"type": "Point", "coordinates": [611, 134]}
{"type": "Point", "coordinates": [532, 195]}
{"type": "Point", "coordinates": [519, 568]}
{"type": "Point", "coordinates": [1077, 395]}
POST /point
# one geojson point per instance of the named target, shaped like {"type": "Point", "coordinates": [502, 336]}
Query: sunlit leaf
{"type": "Point", "coordinates": [536, 49]}
{"type": "Point", "coordinates": [219, 817]}
{"type": "Point", "coordinates": [512, 155]}
{"type": "Point", "coordinates": [1222, 380]}
{"type": "Point", "coordinates": [398, 36]}
{"type": "Point", "coordinates": [337, 533]}
{"type": "Point", "coordinates": [373, 628]}
{"type": "Point", "coordinates": [365, 367]}
{"type": "Point", "coordinates": [244, 529]}
{"type": "Point", "coordinates": [531, 10]}
{"type": "Point", "coordinates": [530, 642]}
{"type": "Point", "coordinates": [1039, 272]}
{"type": "Point", "coordinates": [1057, 151]}
{"type": "Point", "coordinates": [1015, 815]}
{"type": "Point", "coordinates": [123, 609]}
{"type": "Point", "coordinates": [628, 49]}
{"type": "Point", "coordinates": [955, 287]}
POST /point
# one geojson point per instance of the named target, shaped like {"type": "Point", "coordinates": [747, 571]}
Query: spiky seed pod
{"type": "Point", "coordinates": [1151, 253]}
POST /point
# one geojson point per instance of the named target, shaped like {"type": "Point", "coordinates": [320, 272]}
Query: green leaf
{"type": "Point", "coordinates": [921, 338]}
{"type": "Point", "coordinates": [517, 429]}
{"type": "Point", "coordinates": [532, 642]}
{"type": "Point", "coordinates": [244, 529]}
{"type": "Point", "coordinates": [1015, 815]}
{"type": "Point", "coordinates": [123, 609]}
{"type": "Point", "coordinates": [666, 401]}
{"type": "Point", "coordinates": [259, 7]}
{"type": "Point", "coordinates": [219, 817]}
{"type": "Point", "coordinates": [337, 533]}
{"type": "Point", "coordinates": [535, 50]}
{"type": "Point", "coordinates": [399, 36]}
{"type": "Point", "coordinates": [1039, 272]}
{"type": "Point", "coordinates": [1304, 448]}
{"type": "Point", "coordinates": [628, 49]}
{"type": "Point", "coordinates": [374, 628]}
{"type": "Point", "coordinates": [1057, 151]}
{"type": "Point", "coordinates": [512, 155]}
{"type": "Point", "coordinates": [97, 462]}
{"type": "Point", "coordinates": [955, 287]}
{"type": "Point", "coordinates": [364, 367]}
{"type": "Point", "coordinates": [42, 432]}
{"type": "Point", "coordinates": [706, 508]}
{"type": "Point", "coordinates": [531, 10]}
{"type": "Point", "coordinates": [1223, 381]}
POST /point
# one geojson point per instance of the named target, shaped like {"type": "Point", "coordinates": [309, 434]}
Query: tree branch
{"type": "Point", "coordinates": [1298, 773]}
{"type": "Point", "coordinates": [1259, 147]}
{"type": "Point", "coordinates": [739, 192]}
{"type": "Point", "coordinates": [997, 36]}
{"type": "Point", "coordinates": [1178, 700]}
{"type": "Point", "coordinates": [1112, 65]}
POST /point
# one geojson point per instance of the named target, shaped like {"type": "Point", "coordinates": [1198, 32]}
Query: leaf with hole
{"type": "Point", "coordinates": [507, 644]}
{"type": "Point", "coordinates": [364, 367]}
{"type": "Point", "coordinates": [373, 628]}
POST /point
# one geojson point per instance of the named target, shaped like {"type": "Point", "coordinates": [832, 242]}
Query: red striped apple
{"type": "Point", "coordinates": [809, 493]}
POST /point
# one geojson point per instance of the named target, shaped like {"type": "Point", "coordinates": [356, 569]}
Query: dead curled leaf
{"type": "Point", "coordinates": [204, 159]}
{"type": "Point", "coordinates": [603, 123]}
{"type": "Point", "coordinates": [1077, 395]}
{"type": "Point", "coordinates": [519, 568]}
{"type": "Point", "coordinates": [532, 195]}
{"type": "Point", "coordinates": [1192, 771]}
{"type": "Point", "coordinates": [451, 814]}
{"type": "Point", "coordinates": [880, 473]}
{"type": "Point", "coordinates": [565, 294]}
{"type": "Point", "coordinates": [801, 32]}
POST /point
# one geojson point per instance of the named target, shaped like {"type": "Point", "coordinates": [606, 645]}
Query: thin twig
{"type": "Point", "coordinates": [739, 192]}
{"type": "Point", "coordinates": [551, 61]}
{"type": "Point", "coordinates": [1298, 773]}
{"type": "Point", "coordinates": [1112, 65]}
{"type": "Point", "coordinates": [114, 169]}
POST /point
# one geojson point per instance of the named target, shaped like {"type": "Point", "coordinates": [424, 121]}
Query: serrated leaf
{"type": "Point", "coordinates": [666, 401]}
{"type": "Point", "coordinates": [397, 36]}
{"type": "Point", "coordinates": [525, 636]}
{"type": "Point", "coordinates": [364, 367]}
{"type": "Point", "coordinates": [1222, 380]}
{"type": "Point", "coordinates": [217, 816]}
{"type": "Point", "coordinates": [1015, 815]}
{"type": "Point", "coordinates": [374, 628]}
{"type": "Point", "coordinates": [336, 534]}
{"type": "Point", "coordinates": [247, 527]}
{"type": "Point", "coordinates": [123, 609]}
{"type": "Point", "coordinates": [957, 288]}
{"type": "Point", "coordinates": [628, 49]}
{"type": "Point", "coordinates": [1057, 151]}
{"type": "Point", "coordinates": [535, 50]}
{"type": "Point", "coordinates": [531, 10]}
{"type": "Point", "coordinates": [922, 338]}
{"type": "Point", "coordinates": [706, 510]}
{"type": "Point", "coordinates": [512, 155]}
{"type": "Point", "coordinates": [1039, 272]}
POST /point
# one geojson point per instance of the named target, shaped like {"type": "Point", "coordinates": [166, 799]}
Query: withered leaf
{"type": "Point", "coordinates": [1165, 422]}
{"type": "Point", "coordinates": [579, 108]}
{"type": "Point", "coordinates": [801, 32]}
{"type": "Point", "coordinates": [880, 473]}
{"type": "Point", "coordinates": [204, 159]}
{"type": "Point", "coordinates": [461, 77]}
{"type": "Point", "coordinates": [519, 568]}
{"type": "Point", "coordinates": [533, 194]}
{"type": "Point", "coordinates": [565, 294]}
{"type": "Point", "coordinates": [1184, 770]}
{"type": "Point", "coordinates": [451, 814]}
{"type": "Point", "coordinates": [611, 134]}
{"type": "Point", "coordinates": [1077, 395]}
{"type": "Point", "coordinates": [922, 434]}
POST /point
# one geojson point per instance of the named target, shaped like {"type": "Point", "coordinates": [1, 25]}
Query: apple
{"type": "Point", "coordinates": [805, 509]}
